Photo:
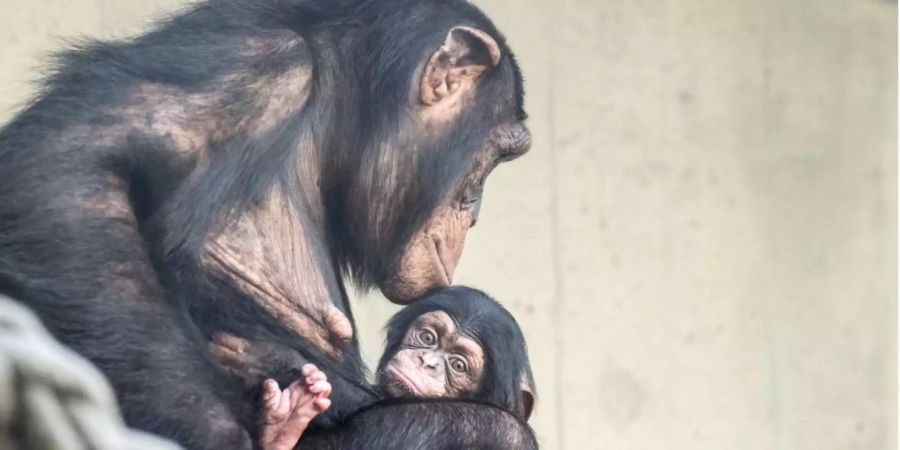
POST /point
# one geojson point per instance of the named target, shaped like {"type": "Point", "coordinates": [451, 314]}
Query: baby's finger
{"type": "Point", "coordinates": [308, 369]}
{"type": "Point", "coordinates": [322, 404]}
{"type": "Point", "coordinates": [285, 403]}
{"type": "Point", "coordinates": [321, 388]}
{"type": "Point", "coordinates": [316, 377]}
{"type": "Point", "coordinates": [270, 393]}
{"type": "Point", "coordinates": [298, 391]}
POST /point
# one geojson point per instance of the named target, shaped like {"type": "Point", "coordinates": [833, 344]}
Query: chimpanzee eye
{"type": "Point", "coordinates": [427, 337]}
{"type": "Point", "coordinates": [458, 365]}
{"type": "Point", "coordinates": [469, 200]}
{"type": "Point", "coordinates": [471, 195]}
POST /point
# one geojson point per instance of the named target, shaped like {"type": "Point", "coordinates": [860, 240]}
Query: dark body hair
{"type": "Point", "coordinates": [137, 155]}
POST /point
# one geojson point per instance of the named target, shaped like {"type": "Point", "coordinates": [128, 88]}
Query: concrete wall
{"type": "Point", "coordinates": [702, 244]}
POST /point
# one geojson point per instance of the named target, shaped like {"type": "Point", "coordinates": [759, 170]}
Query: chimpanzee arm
{"type": "Point", "coordinates": [72, 251]}
{"type": "Point", "coordinates": [431, 424]}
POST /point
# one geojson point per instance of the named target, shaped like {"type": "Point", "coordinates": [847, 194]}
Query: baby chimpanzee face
{"type": "Point", "coordinates": [435, 359]}
{"type": "Point", "coordinates": [457, 342]}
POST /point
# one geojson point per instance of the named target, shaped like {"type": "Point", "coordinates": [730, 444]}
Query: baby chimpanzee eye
{"type": "Point", "coordinates": [458, 364]}
{"type": "Point", "coordinates": [427, 337]}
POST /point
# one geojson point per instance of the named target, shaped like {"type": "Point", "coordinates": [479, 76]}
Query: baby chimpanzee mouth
{"type": "Point", "coordinates": [404, 382]}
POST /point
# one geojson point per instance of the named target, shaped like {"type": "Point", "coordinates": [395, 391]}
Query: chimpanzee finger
{"type": "Point", "coordinates": [227, 356]}
{"type": "Point", "coordinates": [275, 402]}
{"type": "Point", "coordinates": [308, 369]}
{"type": "Point", "coordinates": [230, 341]}
{"type": "Point", "coordinates": [320, 388]}
{"type": "Point", "coordinates": [307, 326]}
{"type": "Point", "coordinates": [321, 404]}
{"type": "Point", "coordinates": [270, 393]}
{"type": "Point", "coordinates": [327, 391]}
{"type": "Point", "coordinates": [299, 393]}
{"type": "Point", "coordinates": [316, 377]}
{"type": "Point", "coordinates": [338, 324]}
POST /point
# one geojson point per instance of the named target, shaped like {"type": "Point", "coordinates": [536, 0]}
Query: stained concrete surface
{"type": "Point", "coordinates": [701, 246]}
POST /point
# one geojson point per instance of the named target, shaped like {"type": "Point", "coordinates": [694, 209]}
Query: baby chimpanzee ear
{"type": "Point", "coordinates": [527, 398]}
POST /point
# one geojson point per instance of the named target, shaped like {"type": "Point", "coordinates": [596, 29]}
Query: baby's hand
{"type": "Point", "coordinates": [286, 414]}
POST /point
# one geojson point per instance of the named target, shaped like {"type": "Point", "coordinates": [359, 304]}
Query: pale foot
{"type": "Point", "coordinates": [287, 413]}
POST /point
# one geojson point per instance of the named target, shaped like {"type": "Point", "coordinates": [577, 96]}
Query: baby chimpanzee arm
{"type": "Point", "coordinates": [428, 423]}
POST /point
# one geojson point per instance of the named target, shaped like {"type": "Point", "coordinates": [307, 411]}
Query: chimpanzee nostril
{"type": "Point", "coordinates": [512, 140]}
{"type": "Point", "coordinates": [430, 362]}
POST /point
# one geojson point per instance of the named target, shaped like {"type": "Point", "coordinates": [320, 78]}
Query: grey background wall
{"type": "Point", "coordinates": [701, 246]}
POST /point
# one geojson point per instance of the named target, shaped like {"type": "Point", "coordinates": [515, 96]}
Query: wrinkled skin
{"type": "Point", "coordinates": [448, 82]}
{"type": "Point", "coordinates": [430, 258]}
{"type": "Point", "coordinates": [434, 360]}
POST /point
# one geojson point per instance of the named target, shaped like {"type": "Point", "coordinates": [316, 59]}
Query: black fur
{"type": "Point", "coordinates": [125, 288]}
{"type": "Point", "coordinates": [438, 424]}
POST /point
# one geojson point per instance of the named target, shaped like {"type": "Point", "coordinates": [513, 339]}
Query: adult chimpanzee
{"type": "Point", "coordinates": [223, 171]}
{"type": "Point", "coordinates": [454, 343]}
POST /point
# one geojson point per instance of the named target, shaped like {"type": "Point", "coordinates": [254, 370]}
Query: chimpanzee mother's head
{"type": "Point", "coordinates": [443, 108]}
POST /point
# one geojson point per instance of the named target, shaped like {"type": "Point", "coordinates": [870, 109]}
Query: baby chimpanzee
{"type": "Point", "coordinates": [457, 343]}
{"type": "Point", "coordinates": [454, 343]}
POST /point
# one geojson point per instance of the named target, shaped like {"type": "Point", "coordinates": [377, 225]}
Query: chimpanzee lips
{"type": "Point", "coordinates": [405, 381]}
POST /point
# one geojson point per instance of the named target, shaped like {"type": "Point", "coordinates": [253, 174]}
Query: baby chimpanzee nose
{"type": "Point", "coordinates": [431, 362]}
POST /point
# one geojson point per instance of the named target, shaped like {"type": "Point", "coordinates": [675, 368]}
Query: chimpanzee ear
{"type": "Point", "coordinates": [527, 399]}
{"type": "Point", "coordinates": [465, 54]}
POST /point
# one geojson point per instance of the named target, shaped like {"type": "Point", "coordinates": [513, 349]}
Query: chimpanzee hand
{"type": "Point", "coordinates": [286, 414]}
{"type": "Point", "coordinates": [252, 361]}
